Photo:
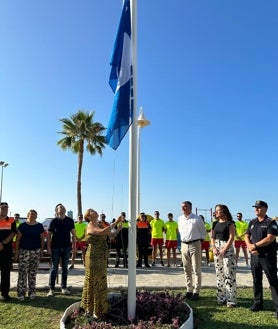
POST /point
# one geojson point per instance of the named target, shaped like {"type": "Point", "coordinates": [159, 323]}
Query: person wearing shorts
{"type": "Point", "coordinates": [241, 228]}
{"type": "Point", "coordinates": [81, 244]}
{"type": "Point", "coordinates": [157, 229]}
{"type": "Point", "coordinates": [171, 230]}
{"type": "Point", "coordinates": [206, 241]}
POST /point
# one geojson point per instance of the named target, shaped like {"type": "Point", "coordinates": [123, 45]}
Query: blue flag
{"type": "Point", "coordinates": [121, 81]}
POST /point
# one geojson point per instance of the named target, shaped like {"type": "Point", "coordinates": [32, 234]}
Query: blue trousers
{"type": "Point", "coordinates": [56, 255]}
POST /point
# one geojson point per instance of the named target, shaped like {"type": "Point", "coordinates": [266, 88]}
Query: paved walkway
{"type": "Point", "coordinates": [153, 277]}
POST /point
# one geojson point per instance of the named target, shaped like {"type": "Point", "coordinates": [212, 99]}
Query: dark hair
{"type": "Point", "coordinates": [239, 213]}
{"type": "Point", "coordinates": [226, 211]}
{"type": "Point", "coordinates": [170, 214]}
{"type": "Point", "coordinates": [56, 207]}
{"type": "Point", "coordinates": [188, 203]}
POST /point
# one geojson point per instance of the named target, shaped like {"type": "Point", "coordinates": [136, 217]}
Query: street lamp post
{"type": "Point", "coordinates": [3, 164]}
{"type": "Point", "coordinates": [141, 123]}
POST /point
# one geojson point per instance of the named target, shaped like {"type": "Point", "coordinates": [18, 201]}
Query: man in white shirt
{"type": "Point", "coordinates": [192, 232]}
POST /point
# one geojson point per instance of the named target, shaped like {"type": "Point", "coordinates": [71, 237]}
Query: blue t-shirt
{"type": "Point", "coordinates": [31, 236]}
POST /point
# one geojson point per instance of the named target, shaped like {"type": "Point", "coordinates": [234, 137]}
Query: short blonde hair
{"type": "Point", "coordinates": [88, 213]}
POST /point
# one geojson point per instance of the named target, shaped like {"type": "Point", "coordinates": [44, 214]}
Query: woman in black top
{"type": "Point", "coordinates": [222, 238]}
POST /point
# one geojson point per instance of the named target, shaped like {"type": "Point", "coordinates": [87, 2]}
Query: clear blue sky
{"type": "Point", "coordinates": [207, 80]}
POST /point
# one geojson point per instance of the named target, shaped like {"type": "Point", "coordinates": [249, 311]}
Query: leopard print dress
{"type": "Point", "coordinates": [94, 295]}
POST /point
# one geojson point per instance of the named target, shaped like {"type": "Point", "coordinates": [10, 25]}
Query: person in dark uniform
{"type": "Point", "coordinates": [122, 242]}
{"type": "Point", "coordinates": [143, 238]}
{"type": "Point", "coordinates": [260, 239]}
{"type": "Point", "coordinates": [7, 232]}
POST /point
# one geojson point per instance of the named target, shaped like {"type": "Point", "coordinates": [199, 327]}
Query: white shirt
{"type": "Point", "coordinates": [191, 228]}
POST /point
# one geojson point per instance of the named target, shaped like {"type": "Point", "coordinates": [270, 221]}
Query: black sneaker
{"type": "Point", "coordinates": [6, 298]}
{"type": "Point", "coordinates": [189, 295]}
{"type": "Point", "coordinates": [195, 296]}
{"type": "Point", "coordinates": [161, 263]}
{"type": "Point", "coordinates": [256, 308]}
{"type": "Point", "coordinates": [153, 263]}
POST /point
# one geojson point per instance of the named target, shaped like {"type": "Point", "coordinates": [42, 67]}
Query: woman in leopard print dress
{"type": "Point", "coordinates": [94, 295]}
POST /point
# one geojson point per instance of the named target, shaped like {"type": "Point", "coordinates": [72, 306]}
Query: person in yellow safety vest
{"type": "Point", "coordinates": [157, 241]}
{"type": "Point", "coordinates": [171, 230]}
{"type": "Point", "coordinates": [17, 223]}
{"type": "Point", "coordinates": [241, 228]}
{"type": "Point", "coordinates": [80, 229]}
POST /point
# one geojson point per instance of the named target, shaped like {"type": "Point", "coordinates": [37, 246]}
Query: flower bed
{"type": "Point", "coordinates": [153, 310]}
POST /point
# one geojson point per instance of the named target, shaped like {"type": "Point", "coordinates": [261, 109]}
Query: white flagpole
{"type": "Point", "coordinates": [133, 174]}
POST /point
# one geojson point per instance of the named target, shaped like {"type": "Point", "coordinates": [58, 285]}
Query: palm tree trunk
{"type": "Point", "coordinates": [80, 163]}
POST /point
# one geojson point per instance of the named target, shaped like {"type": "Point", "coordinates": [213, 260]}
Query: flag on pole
{"type": "Point", "coordinates": [121, 81]}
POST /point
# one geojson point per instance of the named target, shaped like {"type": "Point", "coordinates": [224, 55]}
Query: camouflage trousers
{"type": "Point", "coordinates": [27, 271]}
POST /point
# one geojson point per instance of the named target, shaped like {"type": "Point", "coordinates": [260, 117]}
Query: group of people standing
{"type": "Point", "coordinates": [259, 237]}
{"type": "Point", "coordinates": [29, 244]}
{"type": "Point", "coordinates": [61, 241]}
{"type": "Point", "coordinates": [27, 249]}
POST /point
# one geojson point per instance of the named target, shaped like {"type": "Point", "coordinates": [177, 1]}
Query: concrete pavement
{"type": "Point", "coordinates": [152, 277]}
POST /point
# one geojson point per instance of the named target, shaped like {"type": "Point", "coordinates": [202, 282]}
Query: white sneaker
{"type": "Point", "coordinates": [65, 292]}
{"type": "Point", "coordinates": [20, 298]}
{"type": "Point", "coordinates": [50, 293]}
{"type": "Point", "coordinates": [32, 296]}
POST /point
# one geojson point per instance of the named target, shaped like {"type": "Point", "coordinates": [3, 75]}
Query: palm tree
{"type": "Point", "coordinates": [79, 129]}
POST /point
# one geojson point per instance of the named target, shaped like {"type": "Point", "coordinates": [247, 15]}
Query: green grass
{"type": "Point", "coordinates": [42, 313]}
{"type": "Point", "coordinates": [209, 315]}
{"type": "Point", "coordinates": [45, 312]}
